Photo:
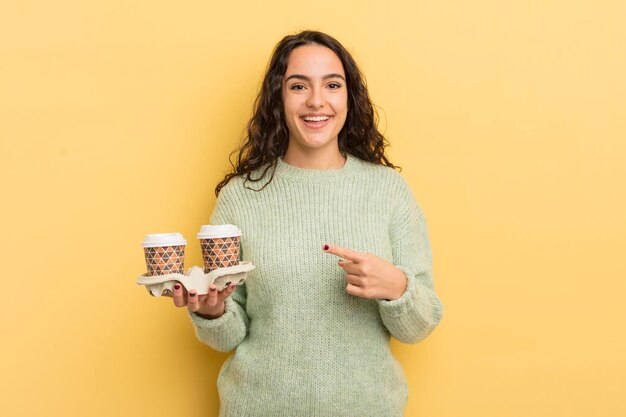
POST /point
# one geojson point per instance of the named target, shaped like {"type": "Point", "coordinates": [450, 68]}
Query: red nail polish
{"type": "Point", "coordinates": [176, 286]}
{"type": "Point", "coordinates": [192, 294]}
{"type": "Point", "coordinates": [326, 247]}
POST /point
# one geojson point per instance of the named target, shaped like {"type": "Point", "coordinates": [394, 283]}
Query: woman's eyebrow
{"type": "Point", "coordinates": [305, 78]}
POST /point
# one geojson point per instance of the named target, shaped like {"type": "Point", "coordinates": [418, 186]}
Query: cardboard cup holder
{"type": "Point", "coordinates": [196, 279]}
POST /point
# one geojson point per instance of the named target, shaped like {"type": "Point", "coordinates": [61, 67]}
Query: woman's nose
{"type": "Point", "coordinates": [316, 98]}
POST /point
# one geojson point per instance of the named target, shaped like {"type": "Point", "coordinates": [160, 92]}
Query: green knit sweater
{"type": "Point", "coordinates": [303, 346]}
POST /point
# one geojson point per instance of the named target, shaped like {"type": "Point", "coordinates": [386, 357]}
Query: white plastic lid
{"type": "Point", "coordinates": [163, 239]}
{"type": "Point", "coordinates": [209, 231]}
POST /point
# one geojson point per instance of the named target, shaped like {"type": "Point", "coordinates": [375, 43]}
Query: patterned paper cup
{"type": "Point", "coordinates": [165, 253]}
{"type": "Point", "coordinates": [220, 246]}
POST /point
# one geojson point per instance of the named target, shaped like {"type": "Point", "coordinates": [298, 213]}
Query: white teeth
{"type": "Point", "coordinates": [316, 119]}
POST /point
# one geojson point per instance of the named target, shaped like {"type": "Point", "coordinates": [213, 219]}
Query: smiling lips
{"type": "Point", "coordinates": [317, 121]}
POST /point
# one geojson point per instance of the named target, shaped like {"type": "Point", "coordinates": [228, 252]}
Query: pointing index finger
{"type": "Point", "coordinates": [345, 253]}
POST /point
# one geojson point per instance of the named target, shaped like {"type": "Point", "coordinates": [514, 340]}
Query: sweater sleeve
{"type": "Point", "coordinates": [226, 332]}
{"type": "Point", "coordinates": [413, 316]}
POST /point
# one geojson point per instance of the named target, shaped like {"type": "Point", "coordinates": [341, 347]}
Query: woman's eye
{"type": "Point", "coordinates": [334, 86]}
{"type": "Point", "coordinates": [297, 87]}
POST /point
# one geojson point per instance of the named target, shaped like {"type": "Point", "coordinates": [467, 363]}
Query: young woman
{"type": "Point", "coordinates": [339, 243]}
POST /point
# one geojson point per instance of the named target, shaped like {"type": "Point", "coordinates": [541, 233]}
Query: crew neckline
{"type": "Point", "coordinates": [286, 170]}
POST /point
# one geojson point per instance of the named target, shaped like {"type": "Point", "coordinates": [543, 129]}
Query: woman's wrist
{"type": "Point", "coordinates": [212, 316]}
{"type": "Point", "coordinates": [400, 285]}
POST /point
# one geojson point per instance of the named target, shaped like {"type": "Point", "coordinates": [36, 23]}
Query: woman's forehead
{"type": "Point", "coordinates": [313, 61]}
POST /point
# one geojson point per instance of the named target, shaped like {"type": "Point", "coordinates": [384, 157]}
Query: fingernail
{"type": "Point", "coordinates": [326, 247]}
{"type": "Point", "coordinates": [211, 289]}
{"type": "Point", "coordinates": [232, 286]}
{"type": "Point", "coordinates": [176, 286]}
{"type": "Point", "coordinates": [192, 294]}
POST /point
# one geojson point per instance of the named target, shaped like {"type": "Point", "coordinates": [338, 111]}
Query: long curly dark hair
{"type": "Point", "coordinates": [268, 136]}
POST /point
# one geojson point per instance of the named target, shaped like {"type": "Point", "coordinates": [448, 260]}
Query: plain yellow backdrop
{"type": "Point", "coordinates": [508, 118]}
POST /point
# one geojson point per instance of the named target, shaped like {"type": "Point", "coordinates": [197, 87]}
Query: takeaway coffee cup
{"type": "Point", "coordinates": [165, 253]}
{"type": "Point", "coordinates": [220, 245]}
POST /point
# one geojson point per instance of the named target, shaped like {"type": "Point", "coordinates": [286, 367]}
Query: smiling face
{"type": "Point", "coordinates": [315, 98]}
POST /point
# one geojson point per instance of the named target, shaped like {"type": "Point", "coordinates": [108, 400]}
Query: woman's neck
{"type": "Point", "coordinates": [318, 159]}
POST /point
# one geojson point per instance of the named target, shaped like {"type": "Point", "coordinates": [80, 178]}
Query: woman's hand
{"type": "Point", "coordinates": [210, 306]}
{"type": "Point", "coordinates": [368, 275]}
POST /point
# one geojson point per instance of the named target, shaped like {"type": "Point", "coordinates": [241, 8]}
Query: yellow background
{"type": "Point", "coordinates": [117, 118]}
